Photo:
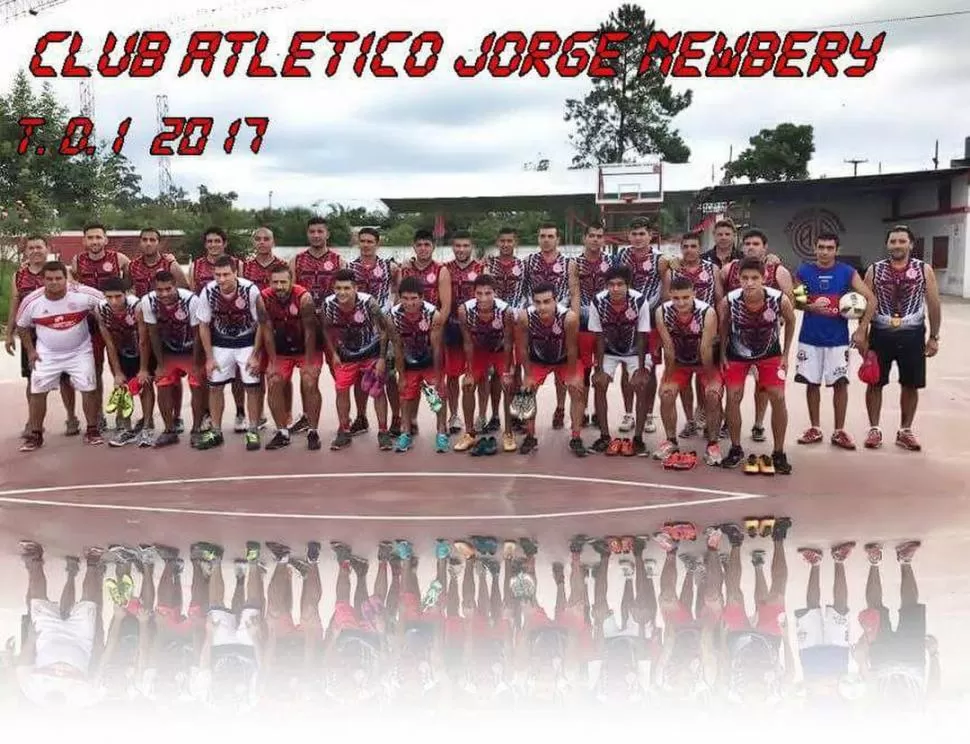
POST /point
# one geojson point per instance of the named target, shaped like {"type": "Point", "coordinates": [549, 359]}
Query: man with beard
{"type": "Point", "coordinates": [725, 248]}
{"type": "Point", "coordinates": [550, 267]}
{"type": "Point", "coordinates": [293, 320]}
{"type": "Point", "coordinates": [26, 279]}
{"type": "Point", "coordinates": [907, 296]}
{"type": "Point", "coordinates": [463, 270]}
{"type": "Point", "coordinates": [508, 272]}
{"type": "Point", "coordinates": [149, 261]}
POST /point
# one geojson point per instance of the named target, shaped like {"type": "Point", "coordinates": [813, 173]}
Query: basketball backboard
{"type": "Point", "coordinates": [630, 183]}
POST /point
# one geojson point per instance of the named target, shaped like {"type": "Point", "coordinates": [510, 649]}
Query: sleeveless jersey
{"type": "Point", "coordinates": [143, 274]}
{"type": "Point", "coordinates": [488, 333]}
{"type": "Point", "coordinates": [123, 326]}
{"type": "Point", "coordinates": [754, 334]}
{"type": "Point", "coordinates": [415, 334]}
{"type": "Point", "coordinates": [547, 341]}
{"type": "Point", "coordinates": [592, 281]}
{"type": "Point", "coordinates": [900, 293]}
{"type": "Point", "coordinates": [619, 324]}
{"type": "Point", "coordinates": [353, 332]}
{"type": "Point", "coordinates": [374, 279]}
{"type": "Point", "coordinates": [539, 271]}
{"type": "Point", "coordinates": [463, 282]}
{"type": "Point", "coordinates": [93, 271]}
{"type": "Point", "coordinates": [260, 275]}
{"type": "Point", "coordinates": [203, 272]}
{"type": "Point", "coordinates": [646, 272]}
{"type": "Point", "coordinates": [26, 281]}
{"type": "Point", "coordinates": [175, 321]}
{"type": "Point", "coordinates": [702, 277]}
{"type": "Point", "coordinates": [509, 276]}
{"type": "Point", "coordinates": [316, 274]}
{"type": "Point", "coordinates": [428, 276]}
{"type": "Point", "coordinates": [232, 323]}
{"type": "Point", "coordinates": [733, 279]}
{"type": "Point", "coordinates": [686, 332]}
{"type": "Point", "coordinates": [284, 315]}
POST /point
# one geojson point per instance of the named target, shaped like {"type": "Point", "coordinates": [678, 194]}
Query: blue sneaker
{"type": "Point", "coordinates": [442, 549]}
{"type": "Point", "coordinates": [403, 443]}
{"type": "Point", "coordinates": [441, 443]}
{"type": "Point", "coordinates": [403, 550]}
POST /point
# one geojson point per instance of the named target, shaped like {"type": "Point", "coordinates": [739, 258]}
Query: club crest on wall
{"type": "Point", "coordinates": [807, 225]}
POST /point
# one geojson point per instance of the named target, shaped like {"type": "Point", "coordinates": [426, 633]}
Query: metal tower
{"type": "Point", "coordinates": [164, 164]}
{"type": "Point", "coordinates": [11, 10]}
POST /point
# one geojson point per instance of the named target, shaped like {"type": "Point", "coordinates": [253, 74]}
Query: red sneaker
{"type": "Point", "coordinates": [907, 440]}
{"type": "Point", "coordinates": [874, 553]}
{"type": "Point", "coordinates": [93, 436]}
{"type": "Point", "coordinates": [615, 448]}
{"type": "Point", "coordinates": [812, 556]}
{"type": "Point", "coordinates": [905, 551]}
{"type": "Point", "coordinates": [874, 438]}
{"type": "Point", "coordinates": [812, 435]}
{"type": "Point", "coordinates": [842, 440]}
{"type": "Point", "coordinates": [842, 551]}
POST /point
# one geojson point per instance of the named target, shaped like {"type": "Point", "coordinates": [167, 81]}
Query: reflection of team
{"type": "Point", "coordinates": [470, 332]}
{"type": "Point", "coordinates": [477, 636]}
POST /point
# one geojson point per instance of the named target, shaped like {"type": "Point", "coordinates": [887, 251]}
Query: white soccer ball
{"type": "Point", "coordinates": [852, 305]}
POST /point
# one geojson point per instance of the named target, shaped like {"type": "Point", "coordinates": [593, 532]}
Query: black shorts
{"type": "Point", "coordinates": [24, 363]}
{"type": "Point", "coordinates": [130, 366]}
{"type": "Point", "coordinates": [907, 348]}
{"type": "Point", "coordinates": [906, 644]}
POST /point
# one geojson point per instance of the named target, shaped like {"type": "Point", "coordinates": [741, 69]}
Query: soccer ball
{"type": "Point", "coordinates": [852, 306]}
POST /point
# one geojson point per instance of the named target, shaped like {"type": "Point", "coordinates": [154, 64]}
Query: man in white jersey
{"type": "Point", "coordinates": [907, 296]}
{"type": "Point", "coordinates": [59, 313]}
{"type": "Point", "coordinates": [233, 328]}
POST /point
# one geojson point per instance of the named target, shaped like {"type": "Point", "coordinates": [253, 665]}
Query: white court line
{"type": "Point", "coordinates": [715, 496]}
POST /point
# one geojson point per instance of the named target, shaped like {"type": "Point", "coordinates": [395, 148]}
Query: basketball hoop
{"type": "Point", "coordinates": [628, 198]}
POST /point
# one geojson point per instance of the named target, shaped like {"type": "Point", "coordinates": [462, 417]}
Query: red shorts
{"type": "Point", "coordinates": [770, 374]}
{"type": "Point", "coordinates": [409, 609]}
{"type": "Point", "coordinates": [348, 374]}
{"type": "Point", "coordinates": [174, 369]}
{"type": "Point", "coordinates": [344, 618]}
{"type": "Point", "coordinates": [173, 620]}
{"type": "Point", "coordinates": [541, 371]}
{"type": "Point", "coordinates": [587, 349]}
{"type": "Point", "coordinates": [736, 618]}
{"type": "Point", "coordinates": [284, 625]}
{"type": "Point", "coordinates": [285, 365]}
{"type": "Point", "coordinates": [482, 360]}
{"type": "Point", "coordinates": [455, 362]}
{"type": "Point", "coordinates": [679, 615]}
{"type": "Point", "coordinates": [681, 377]}
{"type": "Point", "coordinates": [410, 385]}
{"type": "Point", "coordinates": [482, 629]}
{"type": "Point", "coordinates": [656, 346]}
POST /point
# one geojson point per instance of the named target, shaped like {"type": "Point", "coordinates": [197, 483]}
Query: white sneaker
{"type": "Point", "coordinates": [455, 423]}
{"type": "Point", "coordinates": [146, 438]}
{"type": "Point", "coordinates": [628, 422]}
{"type": "Point", "coordinates": [649, 426]}
{"type": "Point", "coordinates": [241, 427]}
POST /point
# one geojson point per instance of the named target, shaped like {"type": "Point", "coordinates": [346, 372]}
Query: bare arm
{"type": "Point", "coordinates": [308, 316]}
{"type": "Point", "coordinates": [788, 313]}
{"type": "Point", "coordinates": [522, 343]}
{"type": "Point", "coordinates": [573, 277]}
{"type": "Point", "coordinates": [724, 327]}
{"type": "Point", "coordinates": [466, 336]}
{"type": "Point", "coordinates": [329, 347]}
{"type": "Point", "coordinates": [110, 348]}
{"type": "Point", "coordinates": [665, 339]}
{"type": "Point", "coordinates": [73, 269]}
{"type": "Point", "coordinates": [264, 336]}
{"type": "Point", "coordinates": [933, 308]}
{"type": "Point", "coordinates": [444, 292]}
{"type": "Point", "coordinates": [718, 286]}
{"type": "Point", "coordinates": [181, 280]}
{"type": "Point", "coordinates": [785, 282]}
{"type": "Point", "coordinates": [707, 339]}
{"type": "Point", "coordinates": [144, 342]}
{"type": "Point", "coordinates": [191, 277]}
{"type": "Point", "coordinates": [665, 277]}
{"type": "Point", "coordinates": [384, 327]}
{"type": "Point", "coordinates": [571, 323]}
{"type": "Point", "coordinates": [11, 315]}
{"type": "Point", "coordinates": [508, 339]}
{"type": "Point", "coordinates": [437, 332]}
{"type": "Point", "coordinates": [124, 265]}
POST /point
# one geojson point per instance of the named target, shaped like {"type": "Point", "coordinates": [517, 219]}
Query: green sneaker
{"type": "Point", "coordinates": [431, 395]}
{"type": "Point", "coordinates": [252, 441]}
{"type": "Point", "coordinates": [114, 400]}
{"type": "Point", "coordinates": [126, 404]}
{"type": "Point", "coordinates": [210, 439]}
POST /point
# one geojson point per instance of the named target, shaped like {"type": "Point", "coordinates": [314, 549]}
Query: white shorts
{"type": "Point", "coordinates": [612, 629]}
{"type": "Point", "coordinates": [228, 362]}
{"type": "Point", "coordinates": [822, 365]}
{"type": "Point", "coordinates": [821, 627]}
{"type": "Point", "coordinates": [612, 362]}
{"type": "Point", "coordinates": [231, 630]}
{"type": "Point", "coordinates": [63, 641]}
{"type": "Point", "coordinates": [46, 375]}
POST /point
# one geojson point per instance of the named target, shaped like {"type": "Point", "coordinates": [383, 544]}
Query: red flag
{"type": "Point", "coordinates": [439, 226]}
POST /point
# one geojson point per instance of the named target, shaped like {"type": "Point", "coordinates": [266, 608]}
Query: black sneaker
{"type": "Point", "coordinates": [385, 551]}
{"type": "Point", "coordinates": [735, 457]}
{"type": "Point", "coordinates": [395, 428]}
{"type": "Point", "coordinates": [577, 447]}
{"type": "Point", "coordinates": [341, 551]}
{"type": "Point", "coordinates": [639, 446]}
{"type": "Point", "coordinates": [577, 543]}
{"type": "Point", "coordinates": [342, 440]}
{"type": "Point", "coordinates": [780, 461]}
{"type": "Point", "coordinates": [360, 426]}
{"type": "Point", "coordinates": [279, 441]}
{"type": "Point", "coordinates": [600, 445]}
{"type": "Point", "coordinates": [313, 440]}
{"type": "Point", "coordinates": [724, 433]}
{"type": "Point", "coordinates": [166, 438]}
{"type": "Point", "coordinates": [780, 531]}
{"type": "Point", "coordinates": [279, 550]}
{"type": "Point", "coordinates": [493, 425]}
{"type": "Point", "coordinates": [528, 444]}
{"type": "Point", "coordinates": [385, 442]}
{"type": "Point", "coordinates": [734, 534]}
{"type": "Point", "coordinates": [301, 426]}
{"type": "Point", "coordinates": [313, 551]}
{"type": "Point", "coordinates": [758, 434]}
{"type": "Point", "coordinates": [529, 546]}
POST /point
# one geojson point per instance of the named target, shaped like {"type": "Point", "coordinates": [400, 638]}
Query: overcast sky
{"type": "Point", "coordinates": [353, 140]}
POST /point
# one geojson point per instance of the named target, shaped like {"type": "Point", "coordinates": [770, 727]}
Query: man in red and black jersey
{"type": "Point", "coordinates": [507, 270]}
{"type": "Point", "coordinates": [150, 261]}
{"type": "Point", "coordinates": [725, 248]}
{"type": "Point", "coordinates": [752, 319]}
{"type": "Point", "coordinates": [708, 286]}
{"type": "Point", "coordinates": [550, 266]}
{"type": "Point", "coordinates": [357, 335]}
{"type": "Point", "coordinates": [170, 317]}
{"type": "Point", "coordinates": [379, 277]}
{"type": "Point", "coordinates": [263, 264]}
{"type": "Point", "coordinates": [434, 277]}
{"type": "Point", "coordinates": [201, 273]}
{"type": "Point", "coordinates": [316, 267]}
{"type": "Point", "coordinates": [92, 267]}
{"type": "Point", "coordinates": [463, 270]}
{"type": "Point", "coordinates": [293, 320]}
{"type": "Point", "coordinates": [754, 244]}
{"type": "Point", "coordinates": [26, 279]}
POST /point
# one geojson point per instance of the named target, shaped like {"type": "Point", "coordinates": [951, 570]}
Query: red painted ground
{"type": "Point", "coordinates": [832, 495]}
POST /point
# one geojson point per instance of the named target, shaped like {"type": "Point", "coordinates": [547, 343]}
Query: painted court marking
{"type": "Point", "coordinates": [714, 496]}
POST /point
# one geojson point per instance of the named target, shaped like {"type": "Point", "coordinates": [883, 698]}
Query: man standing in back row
{"type": "Point", "coordinates": [907, 295]}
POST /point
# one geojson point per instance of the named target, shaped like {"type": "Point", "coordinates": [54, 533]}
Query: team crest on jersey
{"type": "Point", "coordinates": [604, 266]}
{"type": "Point", "coordinates": [516, 271]}
{"type": "Point", "coordinates": [378, 272]}
{"type": "Point", "coordinates": [694, 327]}
{"type": "Point", "coordinates": [130, 320]}
{"type": "Point", "coordinates": [180, 314]}
{"type": "Point", "coordinates": [556, 269]}
{"type": "Point", "coordinates": [631, 313]}
{"type": "Point", "coordinates": [240, 303]}
{"type": "Point", "coordinates": [358, 317]}
{"type": "Point", "coordinates": [647, 265]}
{"type": "Point", "coordinates": [294, 309]}
{"type": "Point", "coordinates": [911, 273]}
{"type": "Point", "coordinates": [429, 278]}
{"type": "Point", "coordinates": [556, 330]}
{"type": "Point", "coordinates": [703, 276]}
{"type": "Point", "coordinates": [107, 266]}
{"type": "Point", "coordinates": [472, 276]}
{"type": "Point", "coordinates": [327, 266]}
{"type": "Point", "coordinates": [72, 306]}
{"type": "Point", "coordinates": [423, 325]}
{"type": "Point", "coordinates": [496, 322]}
{"type": "Point", "coordinates": [768, 314]}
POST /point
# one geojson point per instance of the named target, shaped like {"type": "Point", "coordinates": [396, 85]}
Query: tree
{"type": "Point", "coordinates": [628, 116]}
{"type": "Point", "coordinates": [779, 154]}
